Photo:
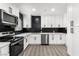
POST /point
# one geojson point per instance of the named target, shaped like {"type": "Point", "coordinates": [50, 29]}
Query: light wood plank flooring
{"type": "Point", "coordinates": [45, 50]}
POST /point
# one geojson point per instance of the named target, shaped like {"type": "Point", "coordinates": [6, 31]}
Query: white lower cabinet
{"type": "Point", "coordinates": [4, 51]}
{"type": "Point", "coordinates": [25, 42]}
{"type": "Point", "coordinates": [31, 39]}
{"type": "Point", "coordinates": [57, 38]}
{"type": "Point", "coordinates": [38, 39]}
{"type": "Point", "coordinates": [51, 39]}
{"type": "Point", "coordinates": [34, 39]}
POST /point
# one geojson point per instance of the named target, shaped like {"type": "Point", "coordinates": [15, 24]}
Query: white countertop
{"type": "Point", "coordinates": [23, 34]}
{"type": "Point", "coordinates": [28, 34]}
{"type": "Point", "coordinates": [38, 33]}
{"type": "Point", "coordinates": [2, 44]}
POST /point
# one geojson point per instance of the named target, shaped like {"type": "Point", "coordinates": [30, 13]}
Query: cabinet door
{"type": "Point", "coordinates": [18, 27]}
{"type": "Point", "coordinates": [31, 39]}
{"type": "Point", "coordinates": [15, 11]}
{"type": "Point", "coordinates": [43, 21]}
{"type": "Point", "coordinates": [56, 39]}
{"type": "Point", "coordinates": [51, 39]}
{"type": "Point", "coordinates": [4, 51]}
{"type": "Point", "coordinates": [34, 39]}
{"type": "Point", "coordinates": [64, 21]}
{"type": "Point", "coordinates": [63, 39]}
{"type": "Point", "coordinates": [27, 21]}
{"type": "Point", "coordinates": [56, 21]}
{"type": "Point", "coordinates": [25, 42]}
{"type": "Point", "coordinates": [38, 39]}
{"type": "Point", "coordinates": [52, 21]}
{"type": "Point", "coordinates": [60, 21]}
{"type": "Point", "coordinates": [60, 39]}
{"type": "Point", "coordinates": [49, 21]}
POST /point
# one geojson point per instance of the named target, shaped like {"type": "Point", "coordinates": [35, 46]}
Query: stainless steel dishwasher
{"type": "Point", "coordinates": [44, 39]}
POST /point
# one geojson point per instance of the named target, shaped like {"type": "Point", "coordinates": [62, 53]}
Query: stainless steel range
{"type": "Point", "coordinates": [16, 44]}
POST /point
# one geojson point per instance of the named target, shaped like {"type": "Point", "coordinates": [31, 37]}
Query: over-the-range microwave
{"type": "Point", "coordinates": [7, 19]}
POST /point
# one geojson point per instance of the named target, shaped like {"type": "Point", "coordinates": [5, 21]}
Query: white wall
{"type": "Point", "coordinates": [55, 21]}
{"type": "Point", "coordinates": [73, 39]}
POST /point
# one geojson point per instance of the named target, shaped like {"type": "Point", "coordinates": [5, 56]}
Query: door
{"type": "Point", "coordinates": [36, 23]}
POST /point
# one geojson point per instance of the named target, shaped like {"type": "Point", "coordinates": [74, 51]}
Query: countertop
{"type": "Point", "coordinates": [38, 33]}
{"type": "Point", "coordinates": [2, 44]}
{"type": "Point", "coordinates": [28, 34]}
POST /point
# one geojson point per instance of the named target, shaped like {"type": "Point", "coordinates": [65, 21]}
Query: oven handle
{"type": "Point", "coordinates": [16, 42]}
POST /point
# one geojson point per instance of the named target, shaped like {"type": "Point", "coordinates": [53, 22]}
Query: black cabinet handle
{"type": "Point", "coordinates": [35, 38]}
{"type": "Point", "coordinates": [52, 38]}
{"type": "Point", "coordinates": [60, 38]}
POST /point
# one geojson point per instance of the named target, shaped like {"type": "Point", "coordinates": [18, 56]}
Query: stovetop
{"type": "Point", "coordinates": [5, 39]}
{"type": "Point", "coordinates": [9, 39]}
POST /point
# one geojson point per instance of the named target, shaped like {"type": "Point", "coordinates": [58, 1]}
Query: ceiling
{"type": "Point", "coordinates": [42, 8]}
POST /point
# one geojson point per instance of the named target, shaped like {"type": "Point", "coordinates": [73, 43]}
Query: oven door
{"type": "Point", "coordinates": [16, 48]}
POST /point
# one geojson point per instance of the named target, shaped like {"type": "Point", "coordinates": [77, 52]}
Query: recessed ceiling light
{"type": "Point", "coordinates": [33, 9]}
{"type": "Point", "coordinates": [53, 9]}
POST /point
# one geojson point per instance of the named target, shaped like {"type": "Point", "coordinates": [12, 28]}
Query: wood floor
{"type": "Point", "coordinates": [45, 50]}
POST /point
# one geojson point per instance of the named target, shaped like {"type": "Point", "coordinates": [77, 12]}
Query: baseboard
{"type": "Point", "coordinates": [47, 44]}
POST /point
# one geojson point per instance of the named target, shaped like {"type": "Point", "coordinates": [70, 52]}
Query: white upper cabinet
{"type": "Point", "coordinates": [27, 21]}
{"type": "Point", "coordinates": [18, 27]}
{"type": "Point", "coordinates": [43, 21]}
{"type": "Point", "coordinates": [64, 20]}
{"type": "Point", "coordinates": [57, 21]}
{"type": "Point", "coordinates": [15, 11]}
{"type": "Point", "coordinates": [53, 21]}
